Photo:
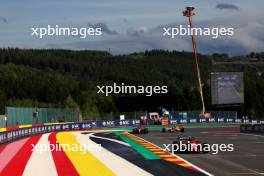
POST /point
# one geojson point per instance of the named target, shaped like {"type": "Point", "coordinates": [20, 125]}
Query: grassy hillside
{"type": "Point", "coordinates": [69, 78]}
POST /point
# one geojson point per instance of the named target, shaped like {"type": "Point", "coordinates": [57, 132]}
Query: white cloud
{"type": "Point", "coordinates": [249, 36]}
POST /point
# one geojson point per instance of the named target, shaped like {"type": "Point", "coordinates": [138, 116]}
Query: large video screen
{"type": "Point", "coordinates": [227, 88]}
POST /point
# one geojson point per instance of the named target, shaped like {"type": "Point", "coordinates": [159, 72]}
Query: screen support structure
{"type": "Point", "coordinates": [188, 12]}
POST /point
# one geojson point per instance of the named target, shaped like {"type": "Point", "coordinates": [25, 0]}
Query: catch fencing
{"type": "Point", "coordinates": [21, 116]}
{"type": "Point", "coordinates": [2, 121]}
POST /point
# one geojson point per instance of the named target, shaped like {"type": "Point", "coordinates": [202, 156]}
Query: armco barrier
{"type": "Point", "coordinates": [9, 136]}
{"type": "Point", "coordinates": [14, 133]}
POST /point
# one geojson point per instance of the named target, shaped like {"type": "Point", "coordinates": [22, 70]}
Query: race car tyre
{"type": "Point", "coordinates": [146, 131]}
{"type": "Point", "coordinates": [182, 130]}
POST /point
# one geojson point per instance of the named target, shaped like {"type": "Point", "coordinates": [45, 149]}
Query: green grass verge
{"type": "Point", "coordinates": [138, 147]}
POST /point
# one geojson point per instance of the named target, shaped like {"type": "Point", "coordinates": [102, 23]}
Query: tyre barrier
{"type": "Point", "coordinates": [250, 128]}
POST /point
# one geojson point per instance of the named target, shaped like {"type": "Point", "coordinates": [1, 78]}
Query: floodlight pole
{"type": "Point", "coordinates": [189, 13]}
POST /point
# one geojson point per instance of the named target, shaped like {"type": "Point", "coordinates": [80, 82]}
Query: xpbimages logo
{"type": "Point", "coordinates": [194, 147]}
{"type": "Point", "coordinates": [82, 148]}
{"type": "Point", "coordinates": [125, 89]}
{"type": "Point", "coordinates": [56, 30]}
{"type": "Point", "coordinates": [214, 32]}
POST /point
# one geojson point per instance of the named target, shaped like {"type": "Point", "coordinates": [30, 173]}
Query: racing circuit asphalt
{"type": "Point", "coordinates": [155, 166]}
{"type": "Point", "coordinates": [246, 159]}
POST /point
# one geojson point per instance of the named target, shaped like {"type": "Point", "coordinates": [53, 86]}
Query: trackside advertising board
{"type": "Point", "coordinates": [8, 136]}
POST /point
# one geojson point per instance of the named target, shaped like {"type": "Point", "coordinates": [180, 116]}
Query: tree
{"type": "Point", "coordinates": [70, 103]}
{"type": "Point", "coordinates": [2, 101]}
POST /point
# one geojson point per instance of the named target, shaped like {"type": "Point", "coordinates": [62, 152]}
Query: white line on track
{"type": "Point", "coordinates": [259, 142]}
{"type": "Point", "coordinates": [256, 135]}
{"type": "Point", "coordinates": [109, 139]}
{"type": "Point", "coordinates": [196, 167]}
{"type": "Point", "coordinates": [41, 164]}
{"type": "Point", "coordinates": [249, 173]}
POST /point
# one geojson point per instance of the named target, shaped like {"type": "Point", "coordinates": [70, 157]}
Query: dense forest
{"type": "Point", "coordinates": [65, 78]}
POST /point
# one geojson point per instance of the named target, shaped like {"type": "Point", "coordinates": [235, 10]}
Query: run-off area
{"type": "Point", "coordinates": [122, 153]}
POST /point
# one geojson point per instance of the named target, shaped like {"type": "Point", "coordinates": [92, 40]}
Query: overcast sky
{"type": "Point", "coordinates": [132, 26]}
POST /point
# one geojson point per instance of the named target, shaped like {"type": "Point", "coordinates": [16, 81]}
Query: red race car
{"type": "Point", "coordinates": [140, 130]}
{"type": "Point", "coordinates": [189, 145]}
